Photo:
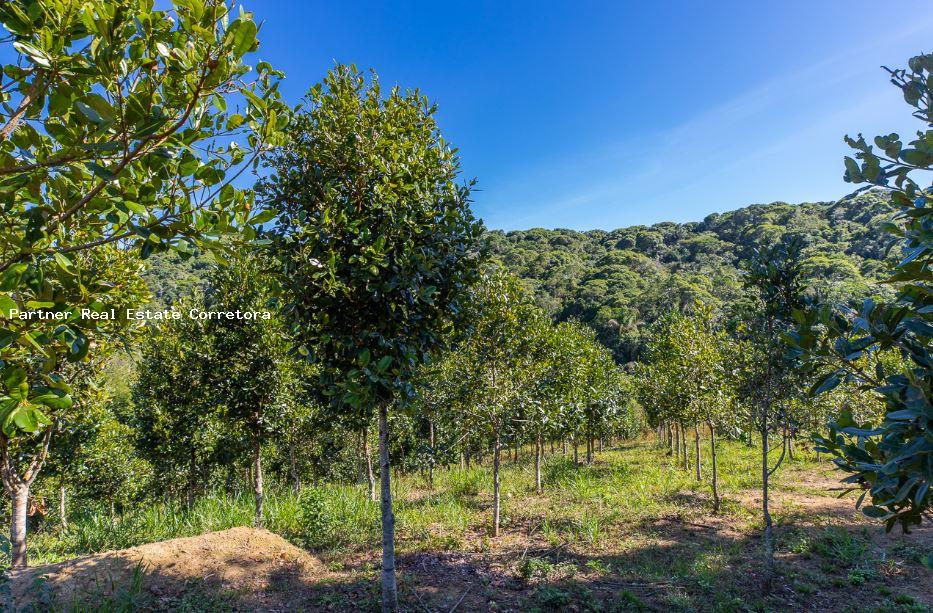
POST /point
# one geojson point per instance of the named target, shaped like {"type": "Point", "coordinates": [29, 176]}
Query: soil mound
{"type": "Point", "coordinates": [236, 569]}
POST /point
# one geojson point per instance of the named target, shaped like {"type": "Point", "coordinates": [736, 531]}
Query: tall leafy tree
{"type": "Point", "coordinates": [376, 243]}
{"type": "Point", "coordinates": [115, 134]}
{"type": "Point", "coordinates": [890, 458]}
{"type": "Point", "coordinates": [767, 376]}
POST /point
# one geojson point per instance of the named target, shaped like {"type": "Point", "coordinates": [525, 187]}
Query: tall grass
{"type": "Point", "coordinates": [581, 504]}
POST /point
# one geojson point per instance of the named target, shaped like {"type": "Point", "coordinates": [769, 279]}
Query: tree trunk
{"type": "Point", "coordinates": [293, 466]}
{"type": "Point", "coordinates": [768, 527]}
{"type": "Point", "coordinates": [576, 451]}
{"type": "Point", "coordinates": [462, 459]}
{"type": "Point", "coordinates": [431, 459]}
{"type": "Point", "coordinates": [712, 451]}
{"type": "Point", "coordinates": [20, 507]}
{"type": "Point", "coordinates": [600, 444]}
{"type": "Point", "coordinates": [676, 443]}
{"type": "Point", "coordinates": [563, 446]}
{"type": "Point", "coordinates": [389, 586]}
{"type": "Point", "coordinates": [495, 486]}
{"type": "Point", "coordinates": [539, 450]}
{"type": "Point", "coordinates": [257, 480]}
{"type": "Point", "coordinates": [696, 446]}
{"type": "Point", "coordinates": [683, 447]}
{"type": "Point", "coordinates": [62, 511]}
{"type": "Point", "coordinates": [192, 477]}
{"type": "Point", "coordinates": [370, 475]}
{"type": "Point", "coordinates": [589, 450]}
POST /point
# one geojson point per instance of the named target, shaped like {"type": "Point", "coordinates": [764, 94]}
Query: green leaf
{"type": "Point", "coordinates": [90, 113]}
{"type": "Point", "coordinates": [25, 419]}
{"type": "Point", "coordinates": [62, 260]}
{"type": "Point", "coordinates": [136, 207]}
{"type": "Point", "coordinates": [7, 304]}
{"type": "Point", "coordinates": [875, 512]}
{"type": "Point", "coordinates": [262, 217]}
{"type": "Point", "coordinates": [37, 55]}
{"type": "Point", "coordinates": [16, 383]}
{"type": "Point", "coordinates": [240, 37]}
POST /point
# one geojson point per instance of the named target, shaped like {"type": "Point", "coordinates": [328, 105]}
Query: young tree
{"type": "Point", "coordinates": [249, 371]}
{"type": "Point", "coordinates": [114, 135]}
{"type": "Point", "coordinates": [891, 458]}
{"type": "Point", "coordinates": [376, 243]}
{"type": "Point", "coordinates": [767, 375]}
{"type": "Point", "coordinates": [685, 376]}
{"type": "Point", "coordinates": [498, 359]}
{"type": "Point", "coordinates": [173, 416]}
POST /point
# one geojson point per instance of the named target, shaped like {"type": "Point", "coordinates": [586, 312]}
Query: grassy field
{"type": "Point", "coordinates": [630, 532]}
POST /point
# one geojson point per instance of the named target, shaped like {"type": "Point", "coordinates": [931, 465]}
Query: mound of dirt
{"type": "Point", "coordinates": [240, 569]}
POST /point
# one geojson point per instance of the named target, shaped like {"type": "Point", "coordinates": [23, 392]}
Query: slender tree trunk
{"type": "Point", "coordinates": [62, 510]}
{"type": "Point", "coordinates": [768, 527]}
{"type": "Point", "coordinates": [431, 459]}
{"type": "Point", "coordinates": [670, 438]}
{"type": "Point", "coordinates": [712, 451]}
{"type": "Point", "coordinates": [576, 451]}
{"type": "Point", "coordinates": [462, 459]}
{"type": "Point", "coordinates": [600, 444]}
{"type": "Point", "coordinates": [790, 447]}
{"type": "Point", "coordinates": [552, 446]}
{"type": "Point", "coordinates": [539, 451]}
{"type": "Point", "coordinates": [696, 445]}
{"type": "Point", "coordinates": [495, 486]}
{"type": "Point", "coordinates": [563, 446]}
{"type": "Point", "coordinates": [293, 466]}
{"type": "Point", "coordinates": [685, 457]}
{"type": "Point", "coordinates": [370, 475]}
{"type": "Point", "coordinates": [589, 449]}
{"type": "Point", "coordinates": [676, 442]}
{"type": "Point", "coordinates": [389, 586]}
{"type": "Point", "coordinates": [257, 479]}
{"type": "Point", "coordinates": [20, 506]}
{"type": "Point", "coordinates": [192, 476]}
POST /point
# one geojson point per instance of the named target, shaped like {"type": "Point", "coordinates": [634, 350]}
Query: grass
{"type": "Point", "coordinates": [631, 517]}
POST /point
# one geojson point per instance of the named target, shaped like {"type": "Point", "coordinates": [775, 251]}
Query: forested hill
{"type": "Point", "coordinates": [619, 281]}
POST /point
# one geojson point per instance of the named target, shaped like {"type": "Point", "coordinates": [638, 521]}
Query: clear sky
{"type": "Point", "coordinates": [600, 115]}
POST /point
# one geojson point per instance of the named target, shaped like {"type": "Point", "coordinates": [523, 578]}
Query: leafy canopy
{"type": "Point", "coordinates": [115, 132]}
{"type": "Point", "coordinates": [374, 234]}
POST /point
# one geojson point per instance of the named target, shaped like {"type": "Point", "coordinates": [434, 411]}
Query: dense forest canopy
{"type": "Point", "coordinates": [621, 280]}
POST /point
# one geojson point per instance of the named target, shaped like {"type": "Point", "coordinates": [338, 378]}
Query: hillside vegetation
{"type": "Point", "coordinates": [620, 280]}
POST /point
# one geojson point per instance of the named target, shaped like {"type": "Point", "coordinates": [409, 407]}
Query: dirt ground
{"type": "Point", "coordinates": [242, 568]}
{"type": "Point", "coordinates": [712, 561]}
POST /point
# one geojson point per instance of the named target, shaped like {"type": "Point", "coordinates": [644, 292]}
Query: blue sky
{"type": "Point", "coordinates": [601, 115]}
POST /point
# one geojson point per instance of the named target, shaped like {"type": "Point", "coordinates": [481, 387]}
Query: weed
{"type": "Point", "coordinates": [598, 566]}
{"type": "Point", "coordinates": [840, 546]}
